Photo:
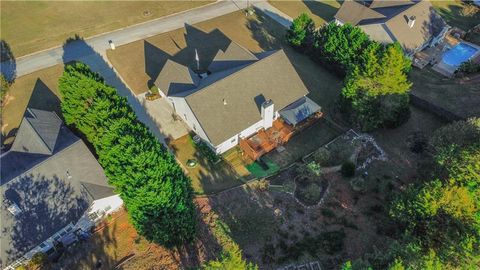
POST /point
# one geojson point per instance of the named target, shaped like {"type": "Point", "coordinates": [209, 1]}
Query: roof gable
{"type": "Point", "coordinates": [175, 78]}
{"type": "Point", "coordinates": [51, 190]}
{"type": "Point", "coordinates": [426, 25]}
{"type": "Point", "coordinates": [353, 13]}
{"type": "Point", "coordinates": [230, 105]}
{"type": "Point", "coordinates": [234, 55]}
{"type": "Point", "coordinates": [37, 133]}
{"type": "Point", "coordinates": [388, 20]}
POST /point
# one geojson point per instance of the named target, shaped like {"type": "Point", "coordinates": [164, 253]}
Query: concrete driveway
{"type": "Point", "coordinates": [162, 115]}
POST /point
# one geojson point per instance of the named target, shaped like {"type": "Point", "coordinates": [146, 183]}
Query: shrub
{"type": "Point", "coordinates": [348, 169]}
{"type": "Point", "coordinates": [469, 67]}
{"type": "Point", "coordinates": [314, 168]}
{"type": "Point", "coordinates": [38, 259]}
{"type": "Point", "coordinates": [154, 89]}
{"type": "Point", "coordinates": [309, 194]}
{"type": "Point", "coordinates": [323, 157]}
{"type": "Point", "coordinates": [207, 152]}
{"type": "Point", "coordinates": [328, 213]}
{"type": "Point", "coordinates": [332, 242]}
{"type": "Point", "coordinates": [300, 34]}
{"type": "Point", "coordinates": [4, 85]}
{"type": "Point", "coordinates": [260, 185]}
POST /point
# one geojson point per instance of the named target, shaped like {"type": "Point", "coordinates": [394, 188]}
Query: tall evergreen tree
{"type": "Point", "coordinates": [156, 193]}
{"type": "Point", "coordinates": [340, 45]}
{"type": "Point", "coordinates": [300, 34]}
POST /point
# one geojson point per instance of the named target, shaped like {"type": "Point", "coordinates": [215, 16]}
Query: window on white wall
{"type": "Point", "coordinates": [233, 140]}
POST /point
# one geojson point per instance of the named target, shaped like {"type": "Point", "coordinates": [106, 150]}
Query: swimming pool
{"type": "Point", "coordinates": [462, 52]}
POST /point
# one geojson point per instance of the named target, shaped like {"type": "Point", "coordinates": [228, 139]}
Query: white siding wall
{"type": "Point", "coordinates": [233, 141]}
{"type": "Point", "coordinates": [107, 205]}
{"type": "Point", "coordinates": [183, 110]}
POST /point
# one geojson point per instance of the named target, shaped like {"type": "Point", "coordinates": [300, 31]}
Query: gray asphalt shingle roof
{"type": "Point", "coordinates": [392, 19]}
{"type": "Point", "coordinates": [52, 190]}
{"type": "Point", "coordinates": [272, 77]}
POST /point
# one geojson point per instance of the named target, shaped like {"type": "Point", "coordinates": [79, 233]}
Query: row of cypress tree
{"type": "Point", "coordinates": [376, 84]}
{"type": "Point", "coordinates": [156, 193]}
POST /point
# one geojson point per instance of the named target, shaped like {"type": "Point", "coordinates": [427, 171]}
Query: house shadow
{"type": "Point", "coordinates": [42, 98]}
{"type": "Point", "coordinates": [79, 50]}
{"type": "Point", "coordinates": [43, 212]}
{"type": "Point", "coordinates": [321, 9]}
{"type": "Point", "coordinates": [205, 44]}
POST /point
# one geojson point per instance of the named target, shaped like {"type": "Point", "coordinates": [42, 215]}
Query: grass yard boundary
{"type": "Point", "coordinates": [120, 29]}
{"type": "Point", "coordinates": [433, 108]}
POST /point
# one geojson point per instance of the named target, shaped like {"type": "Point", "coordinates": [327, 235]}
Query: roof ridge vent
{"type": "Point", "coordinates": [411, 21]}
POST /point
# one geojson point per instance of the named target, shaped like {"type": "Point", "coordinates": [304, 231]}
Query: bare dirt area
{"type": "Point", "coordinates": [116, 245]}
{"type": "Point", "coordinates": [395, 142]}
{"type": "Point", "coordinates": [274, 230]}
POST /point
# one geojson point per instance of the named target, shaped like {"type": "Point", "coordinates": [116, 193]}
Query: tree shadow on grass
{"type": "Point", "coordinates": [8, 62]}
{"type": "Point", "coordinates": [79, 50]}
{"type": "Point", "coordinates": [454, 16]}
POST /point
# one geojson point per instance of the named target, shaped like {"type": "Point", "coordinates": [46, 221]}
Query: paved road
{"type": "Point", "coordinates": [92, 51]}
{"type": "Point", "coordinates": [47, 58]}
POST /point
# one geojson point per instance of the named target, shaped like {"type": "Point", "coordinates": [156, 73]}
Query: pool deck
{"type": "Point", "coordinates": [433, 55]}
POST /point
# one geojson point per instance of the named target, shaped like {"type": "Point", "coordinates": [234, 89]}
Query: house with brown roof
{"type": "Point", "coordinates": [237, 96]}
{"type": "Point", "coordinates": [413, 24]}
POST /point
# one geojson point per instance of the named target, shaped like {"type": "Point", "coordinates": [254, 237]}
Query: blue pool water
{"type": "Point", "coordinates": [458, 54]}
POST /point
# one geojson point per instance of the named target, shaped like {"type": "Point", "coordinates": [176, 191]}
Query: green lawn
{"type": "Point", "coordinates": [451, 11]}
{"type": "Point", "coordinates": [208, 178]}
{"type": "Point", "coordinates": [461, 99]}
{"type": "Point", "coordinates": [305, 142]}
{"type": "Point", "coordinates": [259, 172]}
{"type": "Point", "coordinates": [30, 26]}
{"type": "Point", "coordinates": [320, 11]}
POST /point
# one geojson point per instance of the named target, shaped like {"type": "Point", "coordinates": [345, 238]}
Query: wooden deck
{"type": "Point", "coordinates": [265, 141]}
{"type": "Point", "coordinates": [280, 133]}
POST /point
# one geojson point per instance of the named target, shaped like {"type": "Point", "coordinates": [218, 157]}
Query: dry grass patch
{"type": "Point", "coordinates": [35, 25]}
{"type": "Point", "coordinates": [460, 98]}
{"type": "Point", "coordinates": [117, 245]}
{"type": "Point", "coordinates": [140, 62]}
{"type": "Point", "coordinates": [37, 90]}
{"type": "Point", "coordinates": [208, 177]}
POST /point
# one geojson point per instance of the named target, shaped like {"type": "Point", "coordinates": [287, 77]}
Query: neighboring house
{"type": "Point", "coordinates": [238, 95]}
{"type": "Point", "coordinates": [413, 24]}
{"type": "Point", "coordinates": [52, 189]}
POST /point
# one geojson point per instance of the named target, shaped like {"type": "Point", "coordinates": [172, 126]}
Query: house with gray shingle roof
{"type": "Point", "coordinates": [238, 94]}
{"type": "Point", "coordinates": [52, 187]}
{"type": "Point", "coordinates": [413, 24]}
